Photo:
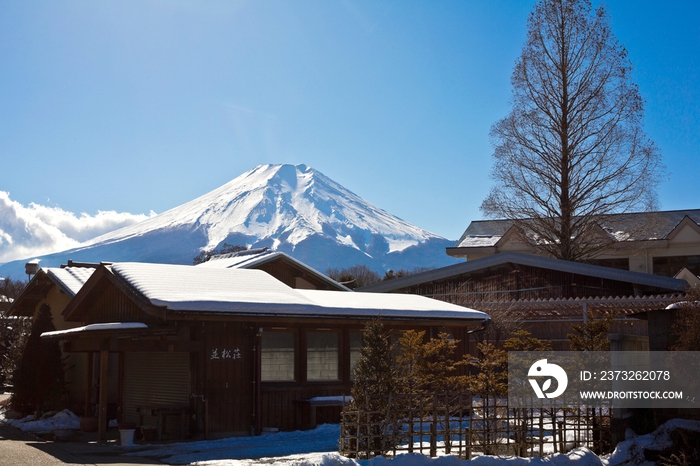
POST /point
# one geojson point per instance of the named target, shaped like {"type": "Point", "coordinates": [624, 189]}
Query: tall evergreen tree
{"type": "Point", "coordinates": [13, 332]}
{"type": "Point", "coordinates": [39, 379]}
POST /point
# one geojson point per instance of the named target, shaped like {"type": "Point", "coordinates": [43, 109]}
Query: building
{"type": "Point", "coordinates": [57, 286]}
{"type": "Point", "coordinates": [544, 295]}
{"type": "Point", "coordinates": [222, 351]}
{"type": "Point", "coordinates": [660, 243]}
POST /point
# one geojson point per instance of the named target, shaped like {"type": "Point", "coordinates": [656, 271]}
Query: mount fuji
{"type": "Point", "coordinates": [294, 209]}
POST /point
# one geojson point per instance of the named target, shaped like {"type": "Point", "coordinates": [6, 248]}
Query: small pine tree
{"type": "Point", "coordinates": [490, 384]}
{"type": "Point", "coordinates": [491, 379]}
{"type": "Point", "coordinates": [375, 380]}
{"type": "Point", "coordinates": [686, 327]}
{"type": "Point", "coordinates": [409, 361]}
{"type": "Point", "coordinates": [522, 340]}
{"type": "Point", "coordinates": [592, 335]}
{"type": "Point", "coordinates": [39, 380]}
{"type": "Point", "coordinates": [428, 366]}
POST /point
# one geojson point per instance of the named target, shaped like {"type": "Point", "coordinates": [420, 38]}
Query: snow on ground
{"type": "Point", "coordinates": [318, 447]}
{"type": "Point", "coordinates": [64, 420]}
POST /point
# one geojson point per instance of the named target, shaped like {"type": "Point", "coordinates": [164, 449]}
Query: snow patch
{"type": "Point", "coordinates": [64, 420]}
{"type": "Point", "coordinates": [478, 241]}
{"type": "Point", "coordinates": [318, 447]}
{"type": "Point", "coordinates": [399, 244]}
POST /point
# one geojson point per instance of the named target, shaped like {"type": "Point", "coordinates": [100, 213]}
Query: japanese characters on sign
{"type": "Point", "coordinates": [225, 354]}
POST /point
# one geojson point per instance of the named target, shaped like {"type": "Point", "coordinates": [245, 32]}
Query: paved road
{"type": "Point", "coordinates": [19, 448]}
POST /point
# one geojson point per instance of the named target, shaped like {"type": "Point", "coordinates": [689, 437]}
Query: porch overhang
{"type": "Point", "coordinates": [107, 330]}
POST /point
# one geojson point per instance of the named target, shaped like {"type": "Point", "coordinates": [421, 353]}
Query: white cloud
{"type": "Point", "coordinates": [35, 230]}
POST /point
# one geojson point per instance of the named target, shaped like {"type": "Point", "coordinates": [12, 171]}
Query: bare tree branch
{"type": "Point", "coordinates": [572, 148]}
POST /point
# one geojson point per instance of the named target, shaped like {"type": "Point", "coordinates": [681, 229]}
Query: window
{"type": "Point", "coordinates": [618, 263]}
{"type": "Point", "coordinates": [355, 345]}
{"type": "Point", "coordinates": [277, 358]}
{"type": "Point", "coordinates": [670, 266]}
{"type": "Point", "coordinates": [322, 356]}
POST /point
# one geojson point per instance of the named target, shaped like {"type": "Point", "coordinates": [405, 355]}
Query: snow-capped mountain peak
{"type": "Point", "coordinates": [291, 208]}
{"type": "Point", "coordinates": [284, 204]}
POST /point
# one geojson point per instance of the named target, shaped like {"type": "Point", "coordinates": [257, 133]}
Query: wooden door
{"type": "Point", "coordinates": [230, 363]}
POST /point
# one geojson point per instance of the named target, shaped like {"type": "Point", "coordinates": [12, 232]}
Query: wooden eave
{"type": "Point", "coordinates": [96, 285]}
{"type": "Point", "coordinates": [313, 320]}
{"type": "Point", "coordinates": [135, 344]}
{"type": "Point", "coordinates": [149, 339]}
{"type": "Point", "coordinates": [116, 333]}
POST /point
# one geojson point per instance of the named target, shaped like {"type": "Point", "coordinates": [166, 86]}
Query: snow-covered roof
{"type": "Point", "coordinates": [663, 284]}
{"type": "Point", "coordinates": [69, 279]}
{"type": "Point", "coordinates": [254, 257]}
{"type": "Point", "coordinates": [241, 259]}
{"type": "Point", "coordinates": [183, 288]}
{"type": "Point", "coordinates": [389, 305]}
{"type": "Point", "coordinates": [621, 227]}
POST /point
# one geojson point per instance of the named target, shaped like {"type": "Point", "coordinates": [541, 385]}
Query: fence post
{"type": "Point", "coordinates": [541, 431]}
{"type": "Point", "coordinates": [433, 429]}
{"type": "Point", "coordinates": [410, 422]}
{"type": "Point", "coordinates": [446, 423]}
{"type": "Point", "coordinates": [469, 428]}
{"type": "Point", "coordinates": [562, 429]}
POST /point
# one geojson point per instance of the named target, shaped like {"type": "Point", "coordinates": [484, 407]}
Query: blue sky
{"type": "Point", "coordinates": [140, 106]}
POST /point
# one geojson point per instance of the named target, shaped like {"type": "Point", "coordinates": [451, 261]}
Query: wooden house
{"type": "Point", "coordinates": [57, 286]}
{"type": "Point", "coordinates": [221, 351]}
{"type": "Point", "coordinates": [543, 295]}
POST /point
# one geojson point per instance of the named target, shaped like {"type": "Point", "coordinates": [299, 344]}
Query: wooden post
{"type": "Point", "coordinates": [102, 410]}
{"type": "Point", "coordinates": [258, 382]}
{"type": "Point", "coordinates": [206, 419]}
{"type": "Point", "coordinates": [89, 411]}
{"type": "Point", "coordinates": [433, 429]}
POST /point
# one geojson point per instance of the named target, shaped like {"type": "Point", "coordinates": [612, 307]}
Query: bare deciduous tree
{"type": "Point", "coordinates": [355, 276]}
{"type": "Point", "coordinates": [573, 147]}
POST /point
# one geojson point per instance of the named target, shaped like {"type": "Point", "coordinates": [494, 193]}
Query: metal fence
{"type": "Point", "coordinates": [462, 425]}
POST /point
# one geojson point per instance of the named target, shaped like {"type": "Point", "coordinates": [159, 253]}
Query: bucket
{"type": "Point", "coordinates": [126, 437]}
